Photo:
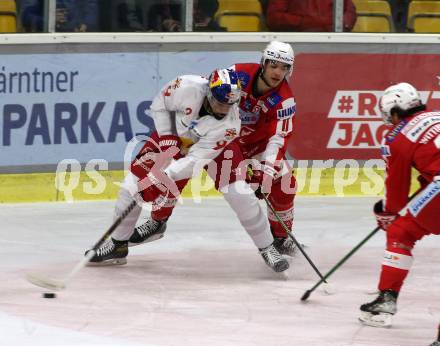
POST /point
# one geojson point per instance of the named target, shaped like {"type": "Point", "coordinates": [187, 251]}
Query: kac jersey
{"type": "Point", "coordinates": [413, 143]}
{"type": "Point", "coordinates": [177, 109]}
{"type": "Point", "coordinates": [267, 120]}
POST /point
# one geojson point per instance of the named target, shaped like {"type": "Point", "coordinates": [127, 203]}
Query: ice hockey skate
{"type": "Point", "coordinates": [147, 232]}
{"type": "Point", "coordinates": [285, 246]}
{"type": "Point", "coordinates": [273, 259]}
{"type": "Point", "coordinates": [380, 311]}
{"type": "Point", "coordinates": [111, 252]}
{"type": "Point", "coordinates": [435, 343]}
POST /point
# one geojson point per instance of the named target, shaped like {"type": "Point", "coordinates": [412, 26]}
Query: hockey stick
{"type": "Point", "coordinates": [306, 294]}
{"type": "Point", "coordinates": [58, 285]}
{"type": "Point", "coordinates": [289, 234]}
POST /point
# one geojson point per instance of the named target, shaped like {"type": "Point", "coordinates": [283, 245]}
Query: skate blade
{"type": "Point", "coordinates": [381, 320]}
{"type": "Point", "coordinates": [148, 240]}
{"type": "Point", "coordinates": [111, 262]}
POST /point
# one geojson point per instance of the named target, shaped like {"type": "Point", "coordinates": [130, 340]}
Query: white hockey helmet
{"type": "Point", "coordinates": [398, 98]}
{"type": "Point", "coordinates": [279, 51]}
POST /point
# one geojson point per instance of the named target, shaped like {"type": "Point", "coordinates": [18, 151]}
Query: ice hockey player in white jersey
{"type": "Point", "coordinates": [195, 118]}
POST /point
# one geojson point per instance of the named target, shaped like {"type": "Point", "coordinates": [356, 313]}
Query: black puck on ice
{"type": "Point", "coordinates": [49, 295]}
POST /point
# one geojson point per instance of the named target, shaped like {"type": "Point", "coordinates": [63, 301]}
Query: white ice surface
{"type": "Point", "coordinates": [204, 283]}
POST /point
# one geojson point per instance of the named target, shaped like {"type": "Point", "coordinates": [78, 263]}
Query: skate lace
{"type": "Point", "coordinates": [147, 228]}
{"type": "Point", "coordinates": [271, 255]}
{"type": "Point", "coordinates": [106, 248]}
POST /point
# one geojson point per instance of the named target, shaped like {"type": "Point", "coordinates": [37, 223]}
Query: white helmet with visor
{"type": "Point", "coordinates": [279, 51]}
{"type": "Point", "coordinates": [398, 98]}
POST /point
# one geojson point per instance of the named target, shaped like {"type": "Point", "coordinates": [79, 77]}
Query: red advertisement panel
{"type": "Point", "coordinates": [337, 100]}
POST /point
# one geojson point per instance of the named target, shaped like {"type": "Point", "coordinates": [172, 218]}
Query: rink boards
{"type": "Point", "coordinates": [78, 103]}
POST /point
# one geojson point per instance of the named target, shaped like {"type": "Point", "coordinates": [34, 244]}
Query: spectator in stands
{"type": "Point", "coordinates": [204, 12]}
{"type": "Point", "coordinates": [165, 16]}
{"type": "Point", "coordinates": [399, 11]}
{"type": "Point", "coordinates": [123, 15]}
{"type": "Point", "coordinates": [71, 15]}
{"type": "Point", "coordinates": [129, 16]}
{"type": "Point", "coordinates": [306, 15]}
{"type": "Point", "coordinates": [31, 15]}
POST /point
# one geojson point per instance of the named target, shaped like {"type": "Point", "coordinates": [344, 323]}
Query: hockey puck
{"type": "Point", "coordinates": [328, 289]}
{"type": "Point", "coordinates": [49, 295]}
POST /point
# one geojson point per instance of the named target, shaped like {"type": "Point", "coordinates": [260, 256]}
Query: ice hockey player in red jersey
{"type": "Point", "coordinates": [412, 142]}
{"type": "Point", "coordinates": [267, 112]}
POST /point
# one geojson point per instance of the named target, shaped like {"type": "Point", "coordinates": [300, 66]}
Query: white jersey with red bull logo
{"type": "Point", "coordinates": [178, 110]}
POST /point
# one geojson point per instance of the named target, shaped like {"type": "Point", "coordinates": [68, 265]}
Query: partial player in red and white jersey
{"type": "Point", "coordinates": [413, 142]}
{"type": "Point", "coordinates": [267, 112]}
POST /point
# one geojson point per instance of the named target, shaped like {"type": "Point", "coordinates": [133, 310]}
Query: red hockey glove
{"type": "Point", "coordinates": [143, 162]}
{"type": "Point", "coordinates": [170, 144]}
{"type": "Point", "coordinates": [169, 148]}
{"type": "Point", "coordinates": [261, 178]}
{"type": "Point", "coordinates": [384, 219]}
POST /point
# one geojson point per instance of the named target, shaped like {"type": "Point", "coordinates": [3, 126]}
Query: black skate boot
{"type": "Point", "coordinates": [285, 246]}
{"type": "Point", "coordinates": [379, 312]}
{"type": "Point", "coordinates": [437, 343]}
{"type": "Point", "coordinates": [273, 259]}
{"type": "Point", "coordinates": [149, 231]}
{"type": "Point", "coordinates": [111, 252]}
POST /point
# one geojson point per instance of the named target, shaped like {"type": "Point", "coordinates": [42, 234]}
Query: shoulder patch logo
{"type": "Point", "coordinates": [273, 100]}
{"type": "Point", "coordinates": [244, 78]}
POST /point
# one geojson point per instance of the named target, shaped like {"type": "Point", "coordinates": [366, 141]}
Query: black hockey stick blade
{"type": "Point", "coordinates": [306, 295]}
